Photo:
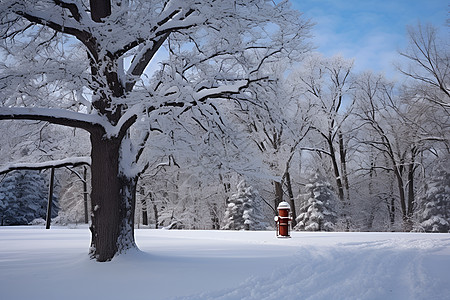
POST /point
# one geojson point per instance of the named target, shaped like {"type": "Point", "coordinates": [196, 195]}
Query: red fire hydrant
{"type": "Point", "coordinates": [283, 219]}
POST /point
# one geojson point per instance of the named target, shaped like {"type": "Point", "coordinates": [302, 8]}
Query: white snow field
{"type": "Point", "coordinates": [53, 264]}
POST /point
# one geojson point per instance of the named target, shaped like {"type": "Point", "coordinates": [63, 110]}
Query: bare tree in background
{"type": "Point", "coordinates": [429, 63]}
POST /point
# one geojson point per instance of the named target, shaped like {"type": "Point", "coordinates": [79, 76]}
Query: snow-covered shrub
{"type": "Point", "coordinates": [38, 222]}
{"type": "Point", "coordinates": [244, 210]}
{"type": "Point", "coordinates": [318, 211]}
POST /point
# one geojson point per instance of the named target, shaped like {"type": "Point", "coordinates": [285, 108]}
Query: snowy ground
{"type": "Point", "coordinates": [52, 264]}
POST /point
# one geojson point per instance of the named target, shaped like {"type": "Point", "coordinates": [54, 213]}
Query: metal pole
{"type": "Point", "coordinates": [50, 199]}
{"type": "Point", "coordinates": [85, 195]}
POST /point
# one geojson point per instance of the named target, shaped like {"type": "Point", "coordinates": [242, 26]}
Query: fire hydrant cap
{"type": "Point", "coordinates": [284, 205]}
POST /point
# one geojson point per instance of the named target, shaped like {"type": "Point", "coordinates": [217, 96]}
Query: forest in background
{"type": "Point", "coordinates": [349, 151]}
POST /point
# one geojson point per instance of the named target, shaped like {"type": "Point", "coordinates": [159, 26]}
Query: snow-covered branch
{"type": "Point", "coordinates": [59, 23]}
{"type": "Point", "coordinates": [142, 59]}
{"type": "Point", "coordinates": [72, 161]}
{"type": "Point", "coordinates": [72, 7]}
{"type": "Point", "coordinates": [73, 119]}
{"type": "Point", "coordinates": [124, 123]}
{"type": "Point", "coordinates": [221, 91]}
{"type": "Point", "coordinates": [54, 116]}
{"type": "Point", "coordinates": [316, 150]}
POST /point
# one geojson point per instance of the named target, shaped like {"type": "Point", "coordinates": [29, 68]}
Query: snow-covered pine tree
{"type": "Point", "coordinates": [23, 197]}
{"type": "Point", "coordinates": [244, 210]}
{"type": "Point", "coordinates": [253, 211]}
{"type": "Point", "coordinates": [434, 204]}
{"type": "Point", "coordinates": [318, 211]}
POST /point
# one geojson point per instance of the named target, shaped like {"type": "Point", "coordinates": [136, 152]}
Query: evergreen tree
{"type": "Point", "coordinates": [23, 198]}
{"type": "Point", "coordinates": [318, 210]}
{"type": "Point", "coordinates": [244, 210]}
{"type": "Point", "coordinates": [434, 204]}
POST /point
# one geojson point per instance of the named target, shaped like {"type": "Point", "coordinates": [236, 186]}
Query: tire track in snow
{"type": "Point", "coordinates": [385, 269]}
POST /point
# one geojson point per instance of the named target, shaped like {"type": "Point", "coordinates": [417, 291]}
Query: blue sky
{"type": "Point", "coordinates": [370, 31]}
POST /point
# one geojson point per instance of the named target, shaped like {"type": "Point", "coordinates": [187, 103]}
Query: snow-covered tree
{"type": "Point", "coordinates": [81, 64]}
{"type": "Point", "coordinates": [275, 130]}
{"type": "Point", "coordinates": [23, 198]}
{"type": "Point", "coordinates": [402, 129]}
{"type": "Point", "coordinates": [244, 210]}
{"type": "Point", "coordinates": [325, 84]}
{"type": "Point", "coordinates": [429, 63]}
{"type": "Point", "coordinates": [318, 210]}
{"type": "Point", "coordinates": [434, 204]}
{"type": "Point", "coordinates": [74, 196]}
{"type": "Point", "coordinates": [185, 201]}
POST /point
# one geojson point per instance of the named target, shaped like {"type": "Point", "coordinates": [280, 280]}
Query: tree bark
{"type": "Point", "coordinates": [411, 197]}
{"type": "Point", "coordinates": [112, 200]}
{"type": "Point", "coordinates": [337, 174]}
{"type": "Point", "coordinates": [291, 198]}
{"type": "Point", "coordinates": [401, 193]}
{"type": "Point", "coordinates": [392, 212]}
{"type": "Point", "coordinates": [144, 207]}
{"type": "Point", "coordinates": [278, 193]}
{"type": "Point", "coordinates": [155, 210]}
{"type": "Point", "coordinates": [343, 156]}
{"type": "Point", "coordinates": [155, 213]}
{"type": "Point", "coordinates": [100, 9]}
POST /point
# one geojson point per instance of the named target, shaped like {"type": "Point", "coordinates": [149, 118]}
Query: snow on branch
{"type": "Point", "coordinates": [220, 91]}
{"type": "Point", "coordinates": [73, 119]}
{"type": "Point", "coordinates": [72, 7]}
{"type": "Point", "coordinates": [127, 119]}
{"type": "Point", "coordinates": [54, 116]}
{"type": "Point", "coordinates": [54, 21]}
{"type": "Point", "coordinates": [175, 17]}
{"type": "Point", "coordinates": [316, 150]}
{"type": "Point", "coordinates": [170, 161]}
{"type": "Point", "coordinates": [142, 59]}
{"type": "Point", "coordinates": [60, 23]}
{"type": "Point", "coordinates": [72, 161]}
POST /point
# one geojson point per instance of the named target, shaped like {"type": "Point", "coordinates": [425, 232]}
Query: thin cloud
{"type": "Point", "coordinates": [369, 31]}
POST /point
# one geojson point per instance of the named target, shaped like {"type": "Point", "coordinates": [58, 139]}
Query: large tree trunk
{"type": "Point", "coordinates": [112, 198]}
